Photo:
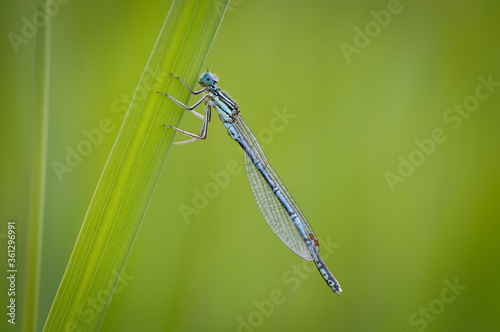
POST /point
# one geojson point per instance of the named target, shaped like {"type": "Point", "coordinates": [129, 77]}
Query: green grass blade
{"type": "Point", "coordinates": [133, 167]}
{"type": "Point", "coordinates": [39, 172]}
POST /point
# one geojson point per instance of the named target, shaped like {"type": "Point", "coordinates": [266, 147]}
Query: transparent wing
{"type": "Point", "coordinates": [270, 207]}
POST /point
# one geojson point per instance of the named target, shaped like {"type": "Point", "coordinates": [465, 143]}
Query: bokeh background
{"type": "Point", "coordinates": [419, 253]}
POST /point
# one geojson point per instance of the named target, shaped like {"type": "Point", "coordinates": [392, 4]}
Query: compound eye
{"type": "Point", "coordinates": [207, 79]}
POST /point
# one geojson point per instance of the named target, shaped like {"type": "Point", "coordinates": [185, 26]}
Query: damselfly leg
{"type": "Point", "coordinates": [206, 118]}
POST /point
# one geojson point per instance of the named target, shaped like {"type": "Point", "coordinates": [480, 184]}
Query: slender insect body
{"type": "Point", "coordinates": [275, 202]}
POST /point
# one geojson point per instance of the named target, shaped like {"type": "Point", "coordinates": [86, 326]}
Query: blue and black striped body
{"type": "Point", "coordinates": [275, 202]}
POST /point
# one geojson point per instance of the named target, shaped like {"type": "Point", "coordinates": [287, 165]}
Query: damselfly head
{"type": "Point", "coordinates": [208, 79]}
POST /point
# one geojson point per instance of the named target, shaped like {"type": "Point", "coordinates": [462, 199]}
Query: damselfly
{"type": "Point", "coordinates": [274, 200]}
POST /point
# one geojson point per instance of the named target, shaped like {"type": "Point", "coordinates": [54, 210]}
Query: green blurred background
{"type": "Point", "coordinates": [395, 248]}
